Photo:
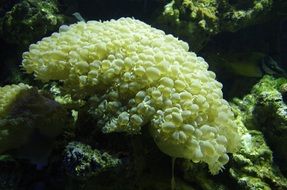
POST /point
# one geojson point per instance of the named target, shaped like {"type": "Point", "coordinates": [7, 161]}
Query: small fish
{"type": "Point", "coordinates": [252, 64]}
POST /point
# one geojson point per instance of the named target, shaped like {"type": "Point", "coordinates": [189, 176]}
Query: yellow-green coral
{"type": "Point", "coordinates": [139, 75]}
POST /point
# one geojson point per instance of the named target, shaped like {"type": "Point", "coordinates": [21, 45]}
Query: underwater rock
{"type": "Point", "coordinates": [252, 167]}
{"type": "Point", "coordinates": [238, 14]}
{"type": "Point", "coordinates": [30, 20]}
{"type": "Point", "coordinates": [82, 162]}
{"type": "Point", "coordinates": [24, 112]}
{"type": "Point", "coordinates": [199, 178]}
{"type": "Point", "coordinates": [264, 109]}
{"type": "Point", "coordinates": [10, 173]}
{"type": "Point", "coordinates": [196, 21]}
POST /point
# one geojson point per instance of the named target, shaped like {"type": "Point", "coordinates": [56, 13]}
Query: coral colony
{"type": "Point", "coordinates": [139, 76]}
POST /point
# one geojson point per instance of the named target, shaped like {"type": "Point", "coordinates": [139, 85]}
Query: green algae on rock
{"type": "Point", "coordinates": [195, 21]}
{"type": "Point", "coordinates": [251, 167]}
{"type": "Point", "coordinates": [82, 162]}
{"type": "Point", "coordinates": [30, 20]}
{"type": "Point", "coordinates": [264, 109]}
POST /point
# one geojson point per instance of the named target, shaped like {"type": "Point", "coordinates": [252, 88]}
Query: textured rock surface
{"type": "Point", "coordinates": [30, 20]}
{"type": "Point", "coordinates": [196, 21]}
{"type": "Point", "coordinates": [82, 162]}
{"type": "Point", "coordinates": [23, 111]}
{"type": "Point", "coordinates": [264, 109]}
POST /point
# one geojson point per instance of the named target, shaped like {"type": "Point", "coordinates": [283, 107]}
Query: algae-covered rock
{"type": "Point", "coordinates": [239, 14]}
{"type": "Point", "coordinates": [23, 111]}
{"type": "Point", "coordinates": [264, 109]}
{"type": "Point", "coordinates": [196, 21]}
{"type": "Point", "coordinates": [252, 167]}
{"type": "Point", "coordinates": [82, 162]}
{"type": "Point", "coordinates": [30, 20]}
{"type": "Point", "coordinates": [197, 176]}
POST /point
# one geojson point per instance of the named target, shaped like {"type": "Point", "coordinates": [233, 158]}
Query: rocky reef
{"type": "Point", "coordinates": [197, 21]}
{"type": "Point", "coordinates": [30, 20]}
{"type": "Point", "coordinates": [119, 104]}
{"type": "Point", "coordinates": [264, 109]}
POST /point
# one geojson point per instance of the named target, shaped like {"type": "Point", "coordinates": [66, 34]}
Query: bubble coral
{"type": "Point", "coordinates": [140, 76]}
